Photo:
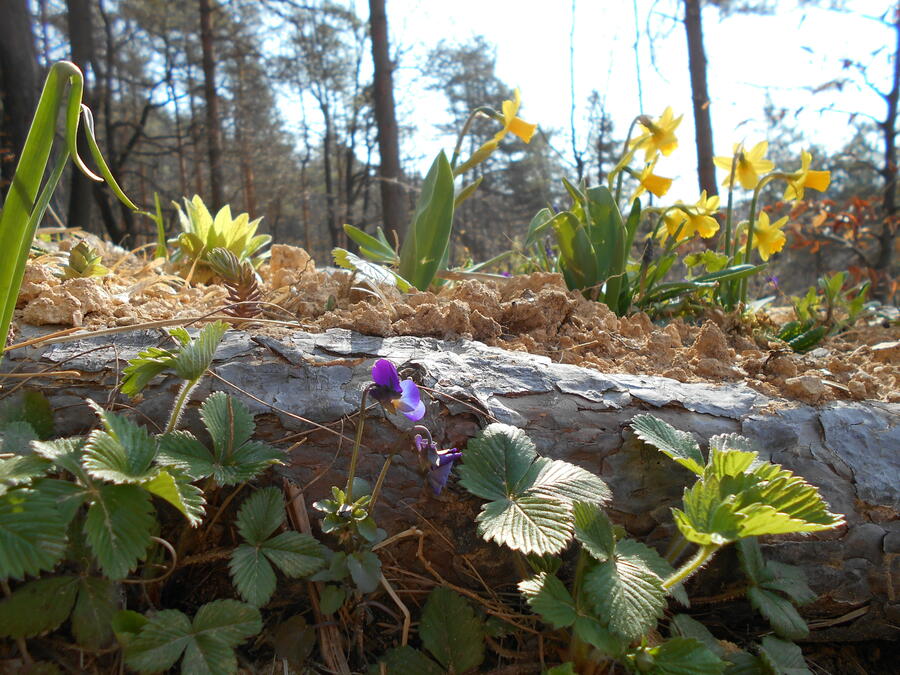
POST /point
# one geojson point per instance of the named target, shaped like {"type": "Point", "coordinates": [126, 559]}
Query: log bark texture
{"type": "Point", "coordinates": [850, 450]}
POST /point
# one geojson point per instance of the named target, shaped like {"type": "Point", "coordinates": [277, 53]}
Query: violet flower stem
{"type": "Point", "coordinates": [357, 441]}
{"type": "Point", "coordinates": [378, 483]}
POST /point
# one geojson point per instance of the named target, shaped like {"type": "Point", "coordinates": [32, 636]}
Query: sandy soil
{"type": "Point", "coordinates": [533, 313]}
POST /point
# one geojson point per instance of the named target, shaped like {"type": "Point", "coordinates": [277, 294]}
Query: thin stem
{"type": "Point", "coordinates": [354, 457]}
{"type": "Point", "coordinates": [482, 110]}
{"type": "Point", "coordinates": [378, 483]}
{"type": "Point", "coordinates": [627, 156]}
{"type": "Point", "coordinates": [701, 557]}
{"type": "Point", "coordinates": [728, 247]}
{"type": "Point", "coordinates": [752, 222]}
{"type": "Point", "coordinates": [186, 389]}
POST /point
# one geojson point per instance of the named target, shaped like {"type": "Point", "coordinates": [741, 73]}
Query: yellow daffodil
{"type": "Point", "coordinates": [700, 218]}
{"type": "Point", "coordinates": [512, 123]}
{"type": "Point", "coordinates": [672, 221]}
{"type": "Point", "coordinates": [768, 238]}
{"type": "Point", "coordinates": [658, 136]}
{"type": "Point", "coordinates": [650, 182]}
{"type": "Point", "coordinates": [750, 164]}
{"type": "Point", "coordinates": [804, 178]}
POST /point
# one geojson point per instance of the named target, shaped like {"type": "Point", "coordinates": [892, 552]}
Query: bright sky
{"type": "Point", "coordinates": [787, 54]}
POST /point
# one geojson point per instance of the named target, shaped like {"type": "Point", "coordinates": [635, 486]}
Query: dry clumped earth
{"type": "Point", "coordinates": [533, 313]}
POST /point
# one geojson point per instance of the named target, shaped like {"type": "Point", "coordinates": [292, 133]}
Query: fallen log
{"type": "Point", "coordinates": [305, 388]}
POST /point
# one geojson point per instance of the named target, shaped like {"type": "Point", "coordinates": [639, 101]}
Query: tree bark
{"type": "Point", "coordinates": [846, 449]}
{"type": "Point", "coordinates": [213, 127]}
{"type": "Point", "coordinates": [706, 170]}
{"type": "Point", "coordinates": [18, 85]}
{"type": "Point", "coordinates": [889, 171]}
{"type": "Point", "coordinates": [393, 199]}
{"type": "Point", "coordinates": [81, 39]}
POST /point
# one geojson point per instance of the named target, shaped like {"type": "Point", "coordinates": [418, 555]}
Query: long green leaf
{"type": "Point", "coordinates": [428, 237]}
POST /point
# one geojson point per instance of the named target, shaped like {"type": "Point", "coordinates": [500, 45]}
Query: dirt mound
{"type": "Point", "coordinates": [533, 313]}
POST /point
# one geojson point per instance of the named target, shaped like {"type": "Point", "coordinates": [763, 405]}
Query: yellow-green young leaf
{"type": "Point", "coordinates": [193, 359]}
{"type": "Point", "coordinates": [144, 367]}
{"type": "Point", "coordinates": [40, 606]}
{"type": "Point", "coordinates": [374, 248]}
{"type": "Point", "coordinates": [679, 445]}
{"type": "Point", "coordinates": [428, 236]}
{"type": "Point", "coordinates": [176, 488]}
{"type": "Point", "coordinates": [451, 632]}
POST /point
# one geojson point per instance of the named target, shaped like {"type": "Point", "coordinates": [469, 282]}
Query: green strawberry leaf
{"type": "Point", "coordinates": [451, 632]}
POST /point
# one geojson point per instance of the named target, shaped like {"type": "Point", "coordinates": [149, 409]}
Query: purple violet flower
{"type": "Point", "coordinates": [394, 395]}
{"type": "Point", "coordinates": [440, 462]}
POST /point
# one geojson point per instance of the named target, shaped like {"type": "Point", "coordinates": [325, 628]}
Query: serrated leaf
{"type": "Point", "coordinates": [657, 564]}
{"type": "Point", "coordinates": [451, 632]}
{"type": "Point", "coordinates": [16, 437]}
{"type": "Point", "coordinates": [407, 661]}
{"type": "Point", "coordinates": [38, 607]}
{"type": "Point", "coordinates": [207, 643]}
{"type": "Point", "coordinates": [260, 515]}
{"type": "Point", "coordinates": [531, 497]}
{"type": "Point", "coordinates": [294, 553]}
{"type": "Point", "coordinates": [590, 630]}
{"type": "Point", "coordinates": [594, 531]}
{"type": "Point", "coordinates": [365, 570]}
{"type": "Point", "coordinates": [21, 470]}
{"type": "Point", "coordinates": [124, 453]}
{"type": "Point", "coordinates": [177, 489]}
{"type": "Point", "coordinates": [144, 367]}
{"type": "Point", "coordinates": [780, 613]}
{"type": "Point", "coordinates": [228, 422]}
{"type": "Point", "coordinates": [94, 611]}
{"type": "Point", "coordinates": [332, 598]}
{"type": "Point", "coordinates": [495, 461]}
{"type": "Point", "coordinates": [64, 453]}
{"type": "Point", "coordinates": [528, 524]}
{"type": "Point", "coordinates": [118, 525]}
{"type": "Point", "coordinates": [252, 574]}
{"type": "Point", "coordinates": [679, 445]}
{"type": "Point", "coordinates": [547, 596]}
{"type": "Point", "coordinates": [627, 595]}
{"type": "Point", "coordinates": [32, 533]}
{"type": "Point", "coordinates": [683, 625]}
{"type": "Point", "coordinates": [181, 450]}
{"type": "Point", "coordinates": [790, 580]}
{"type": "Point", "coordinates": [193, 359]}
{"type": "Point", "coordinates": [782, 657]}
{"type": "Point", "coordinates": [684, 656]}
{"type": "Point", "coordinates": [126, 624]}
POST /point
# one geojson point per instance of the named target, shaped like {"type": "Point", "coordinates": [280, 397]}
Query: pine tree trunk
{"type": "Point", "coordinates": [18, 85]}
{"type": "Point", "coordinates": [706, 171]}
{"type": "Point", "coordinates": [213, 128]}
{"type": "Point", "coordinates": [393, 199]}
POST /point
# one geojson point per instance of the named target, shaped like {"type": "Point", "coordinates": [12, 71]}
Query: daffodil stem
{"type": "Point", "coordinates": [483, 110]}
{"type": "Point", "coordinates": [701, 557]}
{"type": "Point", "coordinates": [752, 222]}
{"type": "Point", "coordinates": [626, 157]}
{"type": "Point", "coordinates": [357, 441]}
{"type": "Point", "coordinates": [378, 483]}
{"type": "Point", "coordinates": [730, 246]}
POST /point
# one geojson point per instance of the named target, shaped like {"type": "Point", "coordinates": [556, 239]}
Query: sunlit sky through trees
{"type": "Point", "coordinates": [785, 56]}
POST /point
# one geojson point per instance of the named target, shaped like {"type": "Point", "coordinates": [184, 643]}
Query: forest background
{"type": "Point", "coordinates": [318, 113]}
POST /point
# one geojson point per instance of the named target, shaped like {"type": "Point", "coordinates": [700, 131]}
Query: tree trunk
{"type": "Point", "coordinates": [393, 199]}
{"type": "Point", "coordinates": [81, 39]}
{"type": "Point", "coordinates": [213, 128]}
{"type": "Point", "coordinates": [18, 85]}
{"type": "Point", "coordinates": [706, 170]}
{"type": "Point", "coordinates": [889, 173]}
